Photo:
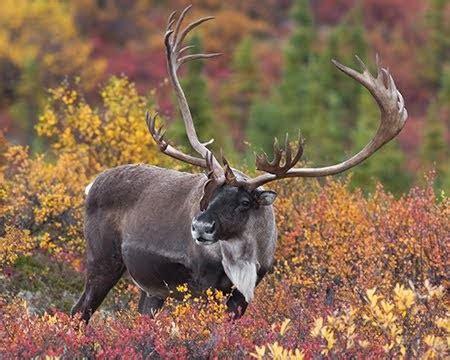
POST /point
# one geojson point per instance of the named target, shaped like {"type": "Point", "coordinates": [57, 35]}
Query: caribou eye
{"type": "Point", "coordinates": [245, 203]}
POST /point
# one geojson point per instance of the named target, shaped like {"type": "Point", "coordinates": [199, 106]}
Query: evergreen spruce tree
{"type": "Point", "coordinates": [387, 165]}
{"type": "Point", "coordinates": [245, 69]}
{"type": "Point", "coordinates": [263, 126]}
{"type": "Point", "coordinates": [323, 115]}
{"type": "Point", "coordinates": [435, 151]}
{"type": "Point", "coordinates": [313, 95]}
{"type": "Point", "coordinates": [240, 91]}
{"type": "Point", "coordinates": [437, 48]}
{"type": "Point", "coordinates": [296, 77]}
{"type": "Point", "coordinates": [347, 40]}
{"type": "Point", "coordinates": [331, 107]}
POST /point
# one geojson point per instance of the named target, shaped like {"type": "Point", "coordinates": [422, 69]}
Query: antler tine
{"type": "Point", "coordinates": [361, 64]}
{"type": "Point", "coordinates": [171, 19]}
{"type": "Point", "coordinates": [209, 164]}
{"type": "Point", "coordinates": [170, 24]}
{"type": "Point", "coordinates": [300, 148]}
{"type": "Point", "coordinates": [230, 177]}
{"type": "Point", "coordinates": [287, 155]}
{"type": "Point", "coordinates": [167, 42]}
{"type": "Point", "coordinates": [180, 20]}
{"type": "Point", "coordinates": [187, 58]}
{"type": "Point", "coordinates": [190, 27]}
{"type": "Point", "coordinates": [378, 63]}
{"type": "Point", "coordinates": [278, 153]}
{"type": "Point", "coordinates": [262, 160]}
{"type": "Point", "coordinates": [185, 48]}
{"type": "Point", "coordinates": [213, 181]}
{"type": "Point", "coordinates": [157, 133]}
{"type": "Point", "coordinates": [387, 96]}
{"type": "Point", "coordinates": [384, 91]}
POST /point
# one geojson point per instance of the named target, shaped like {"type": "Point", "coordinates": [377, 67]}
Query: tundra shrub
{"type": "Point", "coordinates": [355, 276]}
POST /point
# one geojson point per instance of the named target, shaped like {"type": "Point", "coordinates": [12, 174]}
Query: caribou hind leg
{"type": "Point", "coordinates": [105, 265]}
{"type": "Point", "coordinates": [98, 284]}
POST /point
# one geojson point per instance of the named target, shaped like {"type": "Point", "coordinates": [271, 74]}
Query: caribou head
{"type": "Point", "coordinates": [227, 213]}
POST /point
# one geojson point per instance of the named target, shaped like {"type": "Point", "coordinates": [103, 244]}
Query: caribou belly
{"type": "Point", "coordinates": [153, 273]}
{"type": "Point", "coordinates": [158, 275]}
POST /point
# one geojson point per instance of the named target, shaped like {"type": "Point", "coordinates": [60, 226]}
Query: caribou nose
{"type": "Point", "coordinates": [204, 227]}
{"type": "Point", "coordinates": [210, 228]}
{"type": "Point", "coordinates": [203, 231]}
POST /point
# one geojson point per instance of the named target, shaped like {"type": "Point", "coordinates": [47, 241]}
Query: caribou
{"type": "Point", "coordinates": [214, 229]}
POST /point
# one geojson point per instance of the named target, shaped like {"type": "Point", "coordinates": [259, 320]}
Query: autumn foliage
{"type": "Point", "coordinates": [359, 273]}
{"type": "Point", "coordinates": [355, 275]}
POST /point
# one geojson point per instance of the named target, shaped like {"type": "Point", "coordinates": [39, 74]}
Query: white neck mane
{"type": "Point", "coordinates": [240, 265]}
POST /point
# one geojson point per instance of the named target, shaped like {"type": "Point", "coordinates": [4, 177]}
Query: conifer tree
{"type": "Point", "coordinates": [245, 69]}
{"type": "Point", "coordinates": [387, 165]}
{"type": "Point", "coordinates": [284, 110]}
{"type": "Point", "coordinates": [263, 125]}
{"type": "Point", "coordinates": [437, 47]}
{"type": "Point", "coordinates": [435, 151]}
{"type": "Point", "coordinates": [296, 75]}
{"type": "Point", "coordinates": [349, 39]}
{"type": "Point", "coordinates": [322, 125]}
{"type": "Point", "coordinates": [331, 108]}
{"type": "Point", "coordinates": [240, 91]}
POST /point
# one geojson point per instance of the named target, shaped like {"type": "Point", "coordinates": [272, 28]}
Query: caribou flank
{"type": "Point", "coordinates": [218, 230]}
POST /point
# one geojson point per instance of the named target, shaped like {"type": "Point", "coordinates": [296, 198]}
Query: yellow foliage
{"type": "Point", "coordinates": [398, 323]}
{"type": "Point", "coordinates": [318, 324]}
{"type": "Point", "coordinates": [45, 194]}
{"type": "Point", "coordinates": [45, 197]}
{"type": "Point", "coordinates": [44, 32]}
{"type": "Point", "coordinates": [113, 135]}
{"type": "Point", "coordinates": [15, 242]}
{"type": "Point", "coordinates": [285, 326]}
{"type": "Point", "coordinates": [277, 352]}
{"type": "Point", "coordinates": [209, 308]}
{"type": "Point", "coordinates": [404, 298]}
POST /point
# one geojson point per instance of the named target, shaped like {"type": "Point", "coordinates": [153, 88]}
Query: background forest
{"type": "Point", "coordinates": [275, 74]}
{"type": "Point", "coordinates": [361, 262]}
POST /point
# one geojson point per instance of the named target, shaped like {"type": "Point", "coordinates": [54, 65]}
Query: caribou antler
{"type": "Point", "coordinates": [173, 40]}
{"type": "Point", "coordinates": [393, 118]}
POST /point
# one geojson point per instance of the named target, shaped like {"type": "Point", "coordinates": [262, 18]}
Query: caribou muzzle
{"type": "Point", "coordinates": [204, 231]}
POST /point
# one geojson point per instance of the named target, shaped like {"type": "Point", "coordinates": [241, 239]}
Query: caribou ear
{"type": "Point", "coordinates": [266, 198]}
{"type": "Point", "coordinates": [208, 189]}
